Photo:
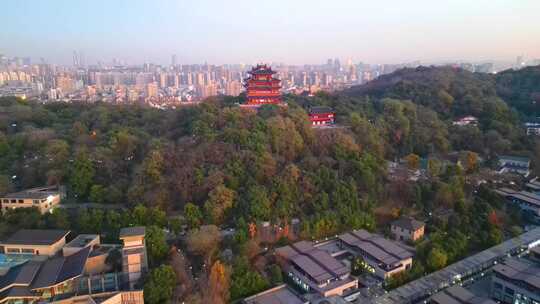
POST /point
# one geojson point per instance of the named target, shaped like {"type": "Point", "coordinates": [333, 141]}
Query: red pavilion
{"type": "Point", "coordinates": [262, 87]}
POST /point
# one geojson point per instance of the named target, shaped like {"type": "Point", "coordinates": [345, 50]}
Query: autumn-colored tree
{"type": "Point", "coordinates": [469, 161]}
{"type": "Point", "coordinates": [252, 228]}
{"type": "Point", "coordinates": [204, 241]}
{"type": "Point", "coordinates": [413, 161]}
{"type": "Point", "coordinates": [494, 219]}
{"type": "Point", "coordinates": [219, 201]}
{"type": "Point", "coordinates": [219, 283]}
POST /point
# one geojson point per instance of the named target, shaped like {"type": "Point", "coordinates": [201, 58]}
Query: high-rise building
{"type": "Point", "coordinates": [162, 80]}
{"type": "Point", "coordinates": [152, 89]}
{"type": "Point", "coordinates": [173, 60]}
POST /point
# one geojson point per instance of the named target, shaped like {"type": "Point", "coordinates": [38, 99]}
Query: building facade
{"type": "Point", "coordinates": [35, 242]}
{"type": "Point", "coordinates": [384, 258]}
{"type": "Point", "coordinates": [516, 282]}
{"type": "Point", "coordinates": [407, 229]}
{"type": "Point", "coordinates": [315, 270]}
{"type": "Point", "coordinates": [321, 116]}
{"type": "Point", "coordinates": [44, 198]}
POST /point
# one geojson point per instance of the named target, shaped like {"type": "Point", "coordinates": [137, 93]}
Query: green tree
{"type": "Point", "coordinates": [156, 245]}
{"type": "Point", "coordinates": [245, 281]}
{"type": "Point", "coordinates": [159, 286]}
{"type": "Point", "coordinates": [276, 275]}
{"type": "Point", "coordinates": [97, 194]}
{"type": "Point", "coordinates": [82, 174]}
{"type": "Point", "coordinates": [436, 259]}
{"type": "Point", "coordinates": [193, 215]}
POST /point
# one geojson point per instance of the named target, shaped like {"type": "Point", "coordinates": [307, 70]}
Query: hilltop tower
{"type": "Point", "coordinates": [262, 87]}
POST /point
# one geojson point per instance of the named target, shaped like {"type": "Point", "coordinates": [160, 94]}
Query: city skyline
{"type": "Point", "coordinates": [240, 31]}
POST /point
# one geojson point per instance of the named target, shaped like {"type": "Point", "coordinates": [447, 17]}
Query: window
{"type": "Point", "coordinates": [13, 201]}
{"type": "Point", "coordinates": [13, 250]}
{"type": "Point", "coordinates": [6, 201]}
{"type": "Point", "coordinates": [27, 251]}
{"type": "Point", "coordinates": [21, 201]}
{"type": "Point", "coordinates": [36, 202]}
{"type": "Point", "coordinates": [509, 291]}
{"type": "Point", "coordinates": [497, 285]}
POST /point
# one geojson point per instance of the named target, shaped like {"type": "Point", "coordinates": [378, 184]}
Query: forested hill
{"type": "Point", "coordinates": [454, 92]}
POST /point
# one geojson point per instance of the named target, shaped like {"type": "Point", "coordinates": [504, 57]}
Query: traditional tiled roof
{"type": "Point", "coordinates": [320, 110]}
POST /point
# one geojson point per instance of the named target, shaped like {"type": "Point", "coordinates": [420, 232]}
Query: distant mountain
{"type": "Point", "coordinates": [521, 89]}
{"type": "Point", "coordinates": [454, 92]}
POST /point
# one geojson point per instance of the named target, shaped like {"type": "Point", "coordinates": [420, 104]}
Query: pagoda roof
{"type": "Point", "coordinates": [261, 69]}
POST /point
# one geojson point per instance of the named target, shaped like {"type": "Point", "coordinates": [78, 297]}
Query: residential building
{"type": "Point", "coordinates": [281, 294]}
{"type": "Point", "coordinates": [516, 281]}
{"type": "Point", "coordinates": [514, 164]}
{"type": "Point", "coordinates": [315, 270]}
{"type": "Point", "coordinates": [35, 242]}
{"type": "Point", "coordinates": [407, 229]}
{"type": "Point", "coordinates": [44, 198]}
{"type": "Point", "coordinates": [321, 116]}
{"type": "Point", "coordinates": [134, 258]}
{"type": "Point", "coordinates": [383, 257]}
{"type": "Point", "coordinates": [458, 295]}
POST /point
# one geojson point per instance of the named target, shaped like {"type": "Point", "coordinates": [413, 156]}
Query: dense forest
{"type": "Point", "coordinates": [218, 165]}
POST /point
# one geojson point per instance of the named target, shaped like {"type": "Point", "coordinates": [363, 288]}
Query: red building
{"type": "Point", "coordinates": [321, 116]}
{"type": "Point", "coordinates": [262, 87]}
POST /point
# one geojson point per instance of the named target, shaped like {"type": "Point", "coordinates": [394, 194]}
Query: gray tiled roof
{"type": "Point", "coordinates": [132, 231]}
{"type": "Point", "coordinates": [36, 237]}
{"type": "Point", "coordinates": [408, 223]}
{"type": "Point", "coordinates": [60, 269]}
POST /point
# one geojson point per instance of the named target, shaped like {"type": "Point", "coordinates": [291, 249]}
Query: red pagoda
{"type": "Point", "coordinates": [262, 87]}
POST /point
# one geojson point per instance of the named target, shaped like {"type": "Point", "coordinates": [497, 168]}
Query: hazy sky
{"type": "Point", "coordinates": [292, 31]}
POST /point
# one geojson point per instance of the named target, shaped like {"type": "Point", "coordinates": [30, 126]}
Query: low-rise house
{"type": "Point", "coordinates": [281, 294]}
{"type": "Point", "coordinates": [44, 198]}
{"type": "Point", "coordinates": [384, 257]}
{"type": "Point", "coordinates": [526, 201]}
{"type": "Point", "coordinates": [315, 270]}
{"type": "Point", "coordinates": [516, 281]}
{"type": "Point", "coordinates": [466, 121]}
{"type": "Point", "coordinates": [407, 229]}
{"type": "Point", "coordinates": [35, 242]}
{"type": "Point", "coordinates": [321, 116]}
{"type": "Point", "coordinates": [458, 295]}
{"type": "Point", "coordinates": [514, 164]}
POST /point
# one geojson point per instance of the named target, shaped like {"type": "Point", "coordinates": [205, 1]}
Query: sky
{"type": "Point", "coordinates": [289, 31]}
